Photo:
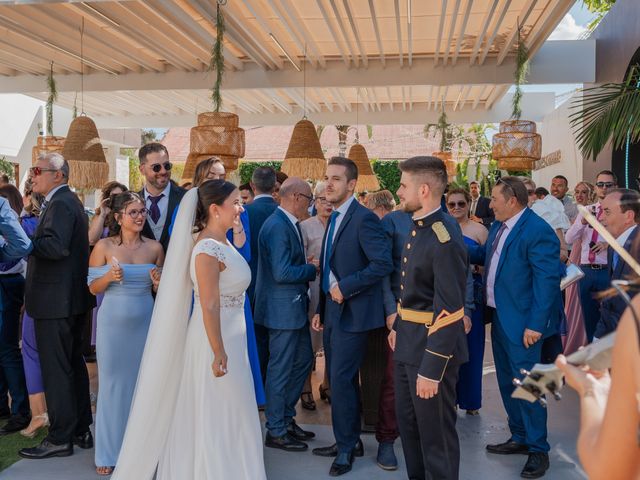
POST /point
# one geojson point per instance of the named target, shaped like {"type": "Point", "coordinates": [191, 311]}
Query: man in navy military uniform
{"type": "Point", "coordinates": [428, 335]}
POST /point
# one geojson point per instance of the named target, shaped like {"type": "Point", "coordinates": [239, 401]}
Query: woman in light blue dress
{"type": "Point", "coordinates": [126, 268]}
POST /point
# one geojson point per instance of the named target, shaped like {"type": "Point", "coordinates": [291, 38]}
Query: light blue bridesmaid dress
{"type": "Point", "coordinates": [124, 318]}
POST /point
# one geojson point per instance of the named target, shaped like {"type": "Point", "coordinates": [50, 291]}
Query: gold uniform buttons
{"type": "Point", "coordinates": [403, 274]}
{"type": "Point", "coordinates": [408, 246]}
{"type": "Point", "coordinates": [401, 287]}
{"type": "Point", "coordinates": [405, 260]}
{"type": "Point", "coordinates": [420, 223]}
{"type": "Point", "coordinates": [413, 234]}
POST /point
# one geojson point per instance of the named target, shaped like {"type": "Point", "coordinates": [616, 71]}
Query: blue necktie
{"type": "Point", "coordinates": [616, 259]}
{"type": "Point", "coordinates": [326, 269]}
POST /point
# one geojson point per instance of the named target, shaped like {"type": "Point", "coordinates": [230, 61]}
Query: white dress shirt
{"type": "Point", "coordinates": [262, 195]}
{"type": "Point", "coordinates": [495, 260]}
{"type": "Point", "coordinates": [342, 210]}
{"type": "Point", "coordinates": [584, 233]}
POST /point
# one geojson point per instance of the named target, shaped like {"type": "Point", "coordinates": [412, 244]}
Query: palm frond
{"type": "Point", "coordinates": [610, 112]}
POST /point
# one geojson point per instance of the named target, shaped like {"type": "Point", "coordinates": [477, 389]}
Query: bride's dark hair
{"type": "Point", "coordinates": [117, 205]}
{"type": "Point", "coordinates": [209, 193]}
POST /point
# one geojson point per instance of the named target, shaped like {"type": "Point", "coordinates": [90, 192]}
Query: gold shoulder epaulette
{"type": "Point", "coordinates": [441, 232]}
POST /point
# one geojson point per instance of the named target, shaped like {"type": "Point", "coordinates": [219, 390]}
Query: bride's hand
{"type": "Point", "coordinates": [219, 365]}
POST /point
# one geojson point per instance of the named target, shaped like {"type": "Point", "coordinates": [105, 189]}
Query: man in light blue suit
{"type": "Point", "coordinates": [522, 283]}
{"type": "Point", "coordinates": [281, 305]}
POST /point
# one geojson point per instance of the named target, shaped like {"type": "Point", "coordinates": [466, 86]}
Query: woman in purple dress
{"type": "Point", "coordinates": [30, 357]}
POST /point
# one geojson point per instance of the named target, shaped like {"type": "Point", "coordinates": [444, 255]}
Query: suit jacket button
{"type": "Point", "coordinates": [413, 234]}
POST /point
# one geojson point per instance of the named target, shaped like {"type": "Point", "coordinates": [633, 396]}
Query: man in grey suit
{"type": "Point", "coordinates": [281, 305]}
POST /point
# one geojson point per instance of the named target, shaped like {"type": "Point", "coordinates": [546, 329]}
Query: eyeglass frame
{"type": "Point", "coordinates": [143, 211]}
{"type": "Point", "coordinates": [310, 199]}
{"type": "Point", "coordinates": [166, 165]}
{"type": "Point", "coordinates": [605, 184]}
{"type": "Point", "coordinates": [37, 171]}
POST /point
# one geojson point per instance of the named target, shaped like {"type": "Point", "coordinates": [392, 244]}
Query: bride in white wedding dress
{"type": "Point", "coordinates": [194, 414]}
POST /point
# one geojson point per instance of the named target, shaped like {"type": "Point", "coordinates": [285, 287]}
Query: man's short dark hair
{"type": "Point", "coordinates": [153, 147]}
{"type": "Point", "coordinates": [610, 173]}
{"type": "Point", "coordinates": [281, 177]}
{"type": "Point", "coordinates": [514, 187]}
{"type": "Point", "coordinates": [541, 192]}
{"type": "Point", "coordinates": [264, 180]}
{"type": "Point", "coordinates": [561, 177]}
{"type": "Point", "coordinates": [432, 169]}
{"type": "Point", "coordinates": [348, 164]}
{"type": "Point", "coordinates": [629, 200]}
{"type": "Point", "coordinates": [246, 186]}
{"type": "Point", "coordinates": [474, 182]}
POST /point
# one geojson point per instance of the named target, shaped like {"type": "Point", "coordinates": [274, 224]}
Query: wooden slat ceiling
{"type": "Point", "coordinates": [137, 36]}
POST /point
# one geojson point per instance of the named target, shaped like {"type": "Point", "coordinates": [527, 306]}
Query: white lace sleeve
{"type": "Point", "coordinates": [212, 248]}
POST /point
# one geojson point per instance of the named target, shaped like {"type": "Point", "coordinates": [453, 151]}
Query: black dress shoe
{"type": "Point", "coordinates": [83, 440]}
{"type": "Point", "coordinates": [15, 424]}
{"type": "Point", "coordinates": [46, 449]}
{"type": "Point", "coordinates": [341, 465]}
{"type": "Point", "coordinates": [536, 466]}
{"type": "Point", "coordinates": [508, 448]}
{"type": "Point", "coordinates": [332, 450]}
{"type": "Point", "coordinates": [286, 442]}
{"type": "Point", "coordinates": [298, 433]}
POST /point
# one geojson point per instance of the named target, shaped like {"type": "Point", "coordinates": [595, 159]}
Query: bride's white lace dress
{"type": "Point", "coordinates": [215, 433]}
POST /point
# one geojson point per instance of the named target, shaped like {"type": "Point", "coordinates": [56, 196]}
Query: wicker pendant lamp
{"type": "Point", "coordinates": [217, 133]}
{"type": "Point", "coordinates": [88, 167]}
{"type": "Point", "coordinates": [304, 157]}
{"type": "Point", "coordinates": [449, 163]}
{"type": "Point", "coordinates": [367, 179]}
{"type": "Point", "coordinates": [517, 146]}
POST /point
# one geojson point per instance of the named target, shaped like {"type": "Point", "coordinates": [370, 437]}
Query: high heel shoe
{"type": "Point", "coordinates": [32, 433]}
{"type": "Point", "coordinates": [325, 393]}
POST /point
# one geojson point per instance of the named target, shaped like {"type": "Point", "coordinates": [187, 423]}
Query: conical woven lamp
{"type": "Point", "coordinates": [88, 167]}
{"type": "Point", "coordinates": [304, 157]}
{"type": "Point", "coordinates": [367, 180]}
{"type": "Point", "coordinates": [217, 135]}
{"type": "Point", "coordinates": [517, 146]}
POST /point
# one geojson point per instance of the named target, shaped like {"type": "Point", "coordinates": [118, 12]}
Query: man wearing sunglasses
{"type": "Point", "coordinates": [161, 196]}
{"type": "Point", "coordinates": [593, 255]}
{"type": "Point", "coordinates": [57, 297]}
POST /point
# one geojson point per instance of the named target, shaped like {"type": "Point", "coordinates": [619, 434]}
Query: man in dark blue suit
{"type": "Point", "coordinates": [281, 307]}
{"type": "Point", "coordinates": [355, 258]}
{"type": "Point", "coordinates": [263, 181]}
{"type": "Point", "coordinates": [522, 283]}
{"type": "Point", "coordinates": [620, 215]}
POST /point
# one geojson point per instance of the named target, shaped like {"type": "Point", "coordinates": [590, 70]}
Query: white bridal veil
{"type": "Point", "coordinates": [156, 393]}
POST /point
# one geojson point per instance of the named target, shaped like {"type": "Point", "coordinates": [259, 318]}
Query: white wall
{"type": "Point", "coordinates": [557, 135]}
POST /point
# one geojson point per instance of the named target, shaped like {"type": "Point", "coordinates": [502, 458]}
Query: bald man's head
{"type": "Point", "coordinates": [295, 196]}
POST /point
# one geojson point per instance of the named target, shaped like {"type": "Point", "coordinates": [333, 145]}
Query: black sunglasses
{"type": "Point", "coordinates": [460, 204]}
{"type": "Point", "coordinates": [158, 166]}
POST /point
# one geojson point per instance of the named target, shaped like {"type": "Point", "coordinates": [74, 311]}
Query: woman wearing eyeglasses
{"type": "Point", "coordinates": [125, 267]}
{"type": "Point", "coordinates": [469, 388]}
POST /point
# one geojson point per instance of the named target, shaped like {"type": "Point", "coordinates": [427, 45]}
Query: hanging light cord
{"type": "Point", "coordinates": [304, 83]}
{"type": "Point", "coordinates": [82, 68]}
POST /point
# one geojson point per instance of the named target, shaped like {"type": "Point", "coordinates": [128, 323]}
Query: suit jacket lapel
{"type": "Point", "coordinates": [515, 232]}
{"type": "Point", "coordinates": [343, 224]}
{"type": "Point", "coordinates": [46, 210]}
{"type": "Point", "coordinates": [620, 267]}
{"type": "Point", "coordinates": [291, 228]}
{"type": "Point", "coordinates": [173, 201]}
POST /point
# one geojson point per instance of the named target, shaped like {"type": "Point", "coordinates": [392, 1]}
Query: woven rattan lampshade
{"type": "Point", "coordinates": [517, 146]}
{"type": "Point", "coordinates": [88, 167]}
{"type": "Point", "coordinates": [47, 144]}
{"type": "Point", "coordinates": [449, 162]}
{"type": "Point", "coordinates": [217, 135]}
{"type": "Point", "coordinates": [367, 180]}
{"type": "Point", "coordinates": [304, 157]}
